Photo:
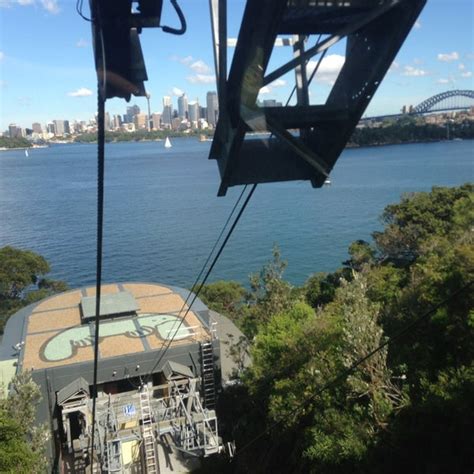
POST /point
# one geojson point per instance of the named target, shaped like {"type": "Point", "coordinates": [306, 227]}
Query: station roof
{"type": "Point", "coordinates": [54, 333]}
{"type": "Point", "coordinates": [114, 304]}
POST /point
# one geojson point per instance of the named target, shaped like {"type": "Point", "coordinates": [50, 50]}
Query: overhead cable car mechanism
{"type": "Point", "coordinates": [306, 140]}
{"type": "Point", "coordinates": [117, 25]}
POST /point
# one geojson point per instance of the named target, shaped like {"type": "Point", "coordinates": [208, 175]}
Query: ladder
{"type": "Point", "coordinates": [207, 370]}
{"type": "Point", "coordinates": [151, 461]}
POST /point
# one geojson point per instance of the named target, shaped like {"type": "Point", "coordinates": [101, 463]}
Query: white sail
{"type": "Point", "coordinates": [168, 143]}
{"type": "Point", "coordinates": [26, 153]}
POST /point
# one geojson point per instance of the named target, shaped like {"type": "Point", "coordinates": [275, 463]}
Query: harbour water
{"type": "Point", "coordinates": [162, 215]}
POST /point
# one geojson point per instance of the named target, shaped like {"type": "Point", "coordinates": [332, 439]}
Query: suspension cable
{"type": "Point", "coordinates": [196, 294]}
{"type": "Point", "coordinates": [344, 374]}
{"type": "Point", "coordinates": [203, 268]}
{"type": "Point", "coordinates": [173, 331]}
{"type": "Point", "coordinates": [100, 232]}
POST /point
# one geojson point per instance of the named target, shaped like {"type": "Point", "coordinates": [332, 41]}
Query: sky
{"type": "Point", "coordinates": [47, 67]}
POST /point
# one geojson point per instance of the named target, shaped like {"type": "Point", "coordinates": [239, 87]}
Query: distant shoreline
{"type": "Point", "coordinates": [348, 146]}
{"type": "Point", "coordinates": [33, 147]}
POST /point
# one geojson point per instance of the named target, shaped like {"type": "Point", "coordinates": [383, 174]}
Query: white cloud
{"type": "Point", "coordinates": [2, 55]}
{"type": "Point", "coordinates": [202, 79]}
{"type": "Point", "coordinates": [10, 3]}
{"type": "Point", "coordinates": [461, 67]}
{"type": "Point", "coordinates": [413, 71]}
{"type": "Point", "coordinates": [82, 43]}
{"type": "Point", "coordinates": [265, 90]}
{"type": "Point", "coordinates": [328, 69]}
{"type": "Point", "coordinates": [186, 60]}
{"type": "Point", "coordinates": [418, 61]}
{"type": "Point", "coordinates": [278, 83]}
{"type": "Point", "coordinates": [394, 66]}
{"type": "Point", "coordinates": [177, 92]}
{"type": "Point", "coordinates": [51, 6]}
{"type": "Point", "coordinates": [443, 81]}
{"type": "Point", "coordinates": [466, 74]}
{"type": "Point", "coordinates": [81, 92]}
{"type": "Point", "coordinates": [200, 67]}
{"type": "Point", "coordinates": [448, 57]}
{"type": "Point", "coordinates": [417, 24]}
{"type": "Point", "coordinates": [3, 84]}
{"type": "Point", "coordinates": [24, 101]}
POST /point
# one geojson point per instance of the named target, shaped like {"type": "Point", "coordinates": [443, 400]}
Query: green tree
{"type": "Point", "coordinates": [320, 288]}
{"type": "Point", "coordinates": [295, 354]}
{"type": "Point", "coordinates": [269, 294]}
{"type": "Point", "coordinates": [22, 442]}
{"type": "Point", "coordinates": [419, 216]}
{"type": "Point", "coordinates": [225, 297]}
{"type": "Point", "coordinates": [22, 280]}
{"type": "Point", "coordinates": [405, 408]}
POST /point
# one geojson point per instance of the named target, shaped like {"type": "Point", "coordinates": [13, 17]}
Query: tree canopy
{"type": "Point", "coordinates": [302, 408]}
{"type": "Point", "coordinates": [22, 443]}
{"type": "Point", "coordinates": [23, 280]}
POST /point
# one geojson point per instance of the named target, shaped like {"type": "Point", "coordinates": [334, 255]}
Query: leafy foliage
{"type": "Point", "coordinates": [226, 297]}
{"type": "Point", "coordinates": [22, 443]}
{"type": "Point", "coordinates": [406, 407]}
{"type": "Point", "coordinates": [407, 130]}
{"type": "Point", "coordinates": [22, 281]}
{"type": "Point", "coordinates": [19, 142]}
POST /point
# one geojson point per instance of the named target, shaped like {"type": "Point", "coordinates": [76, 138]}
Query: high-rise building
{"type": "Point", "coordinates": [14, 131]}
{"type": "Point", "coordinates": [156, 121]}
{"type": "Point", "coordinates": [132, 110]}
{"type": "Point", "coordinates": [193, 113]}
{"type": "Point", "coordinates": [183, 106]}
{"type": "Point", "coordinates": [167, 112]}
{"type": "Point", "coordinates": [107, 126]}
{"type": "Point", "coordinates": [140, 121]}
{"type": "Point", "coordinates": [212, 108]}
{"type": "Point", "coordinates": [50, 127]}
{"type": "Point", "coordinates": [37, 128]}
{"type": "Point", "coordinates": [271, 103]}
{"type": "Point", "coordinates": [117, 122]}
{"type": "Point", "coordinates": [61, 127]}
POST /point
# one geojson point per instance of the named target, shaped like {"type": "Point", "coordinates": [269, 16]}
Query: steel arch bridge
{"type": "Point", "coordinates": [450, 99]}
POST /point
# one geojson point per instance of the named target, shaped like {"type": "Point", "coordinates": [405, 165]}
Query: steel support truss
{"type": "Point", "coordinates": [305, 140]}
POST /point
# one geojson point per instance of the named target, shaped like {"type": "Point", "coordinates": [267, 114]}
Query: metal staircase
{"type": "Point", "coordinates": [151, 460]}
{"type": "Point", "coordinates": [207, 371]}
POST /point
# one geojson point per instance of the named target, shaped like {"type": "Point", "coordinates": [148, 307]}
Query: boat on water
{"type": "Point", "coordinates": [26, 152]}
{"type": "Point", "coordinates": [327, 182]}
{"type": "Point", "coordinates": [168, 143]}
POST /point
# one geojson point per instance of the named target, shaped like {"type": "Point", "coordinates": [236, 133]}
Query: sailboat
{"type": "Point", "coordinates": [26, 152]}
{"type": "Point", "coordinates": [168, 143]}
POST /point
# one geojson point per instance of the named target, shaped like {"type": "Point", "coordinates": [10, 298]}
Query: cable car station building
{"type": "Point", "coordinates": [150, 402]}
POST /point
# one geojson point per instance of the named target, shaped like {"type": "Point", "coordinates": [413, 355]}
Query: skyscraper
{"type": "Point", "coordinates": [132, 110]}
{"type": "Point", "coordinates": [156, 119]}
{"type": "Point", "coordinates": [61, 127]}
{"type": "Point", "coordinates": [140, 121]}
{"type": "Point", "coordinates": [212, 108]}
{"type": "Point", "coordinates": [14, 131]}
{"type": "Point", "coordinates": [183, 106]}
{"type": "Point", "coordinates": [167, 112]}
{"type": "Point", "coordinates": [194, 113]}
{"type": "Point", "coordinates": [37, 128]}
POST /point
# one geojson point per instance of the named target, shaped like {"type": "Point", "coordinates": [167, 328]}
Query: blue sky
{"type": "Point", "coordinates": [47, 69]}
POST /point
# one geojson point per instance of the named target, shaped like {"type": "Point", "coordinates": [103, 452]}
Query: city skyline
{"type": "Point", "coordinates": [187, 115]}
{"type": "Point", "coordinates": [38, 84]}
